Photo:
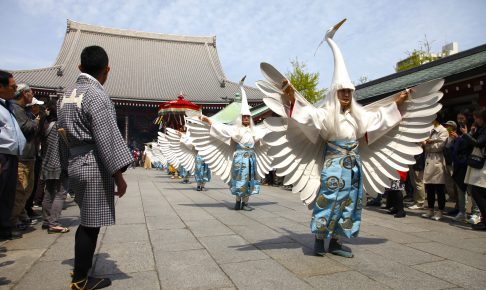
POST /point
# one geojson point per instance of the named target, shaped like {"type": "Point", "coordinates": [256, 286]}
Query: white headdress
{"type": "Point", "coordinates": [245, 111]}
{"type": "Point", "coordinates": [245, 108]}
{"type": "Point", "coordinates": [340, 80]}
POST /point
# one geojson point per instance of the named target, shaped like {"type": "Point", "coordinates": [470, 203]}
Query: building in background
{"type": "Point", "coordinates": [147, 69]}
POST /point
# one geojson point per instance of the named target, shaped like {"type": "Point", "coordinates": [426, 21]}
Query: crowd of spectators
{"type": "Point", "coordinates": [451, 165]}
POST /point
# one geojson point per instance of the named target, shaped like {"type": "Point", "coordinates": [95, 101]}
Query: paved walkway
{"type": "Point", "coordinates": [170, 236]}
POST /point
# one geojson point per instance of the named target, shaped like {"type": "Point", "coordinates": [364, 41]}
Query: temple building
{"type": "Point", "coordinates": [147, 69]}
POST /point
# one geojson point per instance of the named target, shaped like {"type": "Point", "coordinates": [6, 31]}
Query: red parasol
{"type": "Point", "coordinates": [178, 106]}
{"type": "Point", "coordinates": [172, 113]}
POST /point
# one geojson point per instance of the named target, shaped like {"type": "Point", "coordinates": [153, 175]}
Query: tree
{"type": "Point", "coordinates": [417, 56]}
{"type": "Point", "coordinates": [305, 82]}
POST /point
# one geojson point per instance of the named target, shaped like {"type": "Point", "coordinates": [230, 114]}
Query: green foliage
{"type": "Point", "coordinates": [417, 56]}
{"type": "Point", "coordinates": [305, 82]}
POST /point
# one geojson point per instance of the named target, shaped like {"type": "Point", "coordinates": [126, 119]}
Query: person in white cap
{"type": "Point", "coordinates": [25, 179]}
{"type": "Point", "coordinates": [235, 152]}
{"type": "Point", "coordinates": [336, 150]}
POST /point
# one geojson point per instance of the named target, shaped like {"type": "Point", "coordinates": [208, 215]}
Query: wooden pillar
{"type": "Point", "coordinates": [126, 130]}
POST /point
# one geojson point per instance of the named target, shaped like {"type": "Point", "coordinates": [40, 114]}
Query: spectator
{"type": "Point", "coordinates": [476, 169]}
{"type": "Point", "coordinates": [434, 172]}
{"type": "Point", "coordinates": [12, 144]}
{"type": "Point", "coordinates": [25, 179]}
{"type": "Point", "coordinates": [98, 156]}
{"type": "Point", "coordinates": [459, 152]}
{"type": "Point", "coordinates": [55, 179]}
{"type": "Point", "coordinates": [33, 111]}
{"type": "Point", "coordinates": [416, 174]}
{"type": "Point", "coordinates": [394, 199]}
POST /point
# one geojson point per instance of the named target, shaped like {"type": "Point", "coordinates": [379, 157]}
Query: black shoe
{"type": "Point", "coordinates": [90, 283]}
{"type": "Point", "coordinates": [453, 212]}
{"type": "Point", "coordinates": [373, 202]}
{"type": "Point", "coordinates": [319, 247]}
{"type": "Point", "coordinates": [481, 226]}
{"type": "Point", "coordinates": [400, 214]}
{"type": "Point", "coordinates": [198, 188]}
{"type": "Point", "coordinates": [337, 248]}
{"type": "Point", "coordinates": [21, 226]}
{"type": "Point", "coordinates": [245, 206]}
{"type": "Point", "coordinates": [238, 205]}
{"type": "Point", "coordinates": [16, 235]}
{"type": "Point", "coordinates": [392, 211]}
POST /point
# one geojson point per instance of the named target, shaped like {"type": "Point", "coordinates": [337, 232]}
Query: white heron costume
{"type": "Point", "coordinates": [330, 156]}
{"type": "Point", "coordinates": [234, 152]}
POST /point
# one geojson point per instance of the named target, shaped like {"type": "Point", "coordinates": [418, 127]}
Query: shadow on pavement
{"type": "Point", "coordinates": [108, 267]}
{"type": "Point", "coordinates": [226, 204]}
{"type": "Point", "coordinates": [105, 266]}
{"type": "Point", "coordinates": [304, 241]}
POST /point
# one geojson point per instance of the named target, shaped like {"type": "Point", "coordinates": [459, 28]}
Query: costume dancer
{"type": "Point", "coordinates": [235, 152]}
{"type": "Point", "coordinates": [333, 151]}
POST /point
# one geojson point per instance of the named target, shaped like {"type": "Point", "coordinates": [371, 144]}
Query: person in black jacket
{"type": "Point", "coordinates": [459, 152]}
{"type": "Point", "coordinates": [476, 173]}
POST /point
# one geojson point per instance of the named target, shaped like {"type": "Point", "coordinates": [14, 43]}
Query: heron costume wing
{"type": "Point", "coordinates": [183, 149]}
{"type": "Point", "coordinates": [297, 150]}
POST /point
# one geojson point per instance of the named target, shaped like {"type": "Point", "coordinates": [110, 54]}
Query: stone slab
{"type": "Point", "coordinates": [455, 273]}
{"type": "Point", "coordinates": [125, 233]}
{"type": "Point", "coordinates": [231, 249]}
{"type": "Point", "coordinates": [47, 275]}
{"type": "Point", "coordinates": [135, 281]}
{"type": "Point", "coordinates": [204, 228]}
{"type": "Point", "coordinates": [171, 221]}
{"type": "Point", "coordinates": [14, 264]}
{"type": "Point", "coordinates": [189, 269]}
{"type": "Point", "coordinates": [116, 258]}
{"type": "Point", "coordinates": [459, 255]}
{"type": "Point", "coordinates": [301, 260]}
{"type": "Point", "coordinates": [345, 281]}
{"type": "Point", "coordinates": [262, 274]}
{"type": "Point", "coordinates": [390, 273]}
{"type": "Point", "coordinates": [174, 240]}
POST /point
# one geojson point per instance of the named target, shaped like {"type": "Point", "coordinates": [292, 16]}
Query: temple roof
{"type": "Point", "coordinates": [443, 68]}
{"type": "Point", "coordinates": [144, 66]}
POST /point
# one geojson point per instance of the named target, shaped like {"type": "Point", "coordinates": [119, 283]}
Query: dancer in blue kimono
{"type": "Point", "coordinates": [235, 152]}
{"type": "Point", "coordinates": [202, 174]}
{"type": "Point", "coordinates": [337, 149]}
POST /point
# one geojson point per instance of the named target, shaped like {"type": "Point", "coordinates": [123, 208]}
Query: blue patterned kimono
{"type": "Point", "coordinates": [337, 210]}
{"type": "Point", "coordinates": [244, 180]}
{"type": "Point", "coordinates": [182, 171]}
{"type": "Point", "coordinates": [202, 173]}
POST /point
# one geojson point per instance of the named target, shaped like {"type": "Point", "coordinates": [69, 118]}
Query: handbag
{"type": "Point", "coordinates": [476, 159]}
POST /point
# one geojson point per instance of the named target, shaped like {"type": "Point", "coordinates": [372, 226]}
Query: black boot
{"type": "Point", "coordinates": [319, 247]}
{"type": "Point", "coordinates": [399, 205]}
{"type": "Point", "coordinates": [245, 206]}
{"type": "Point", "coordinates": [337, 248]}
{"type": "Point", "coordinates": [198, 188]}
{"type": "Point", "coordinates": [238, 205]}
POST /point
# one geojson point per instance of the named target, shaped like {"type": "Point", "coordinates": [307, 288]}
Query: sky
{"type": "Point", "coordinates": [378, 33]}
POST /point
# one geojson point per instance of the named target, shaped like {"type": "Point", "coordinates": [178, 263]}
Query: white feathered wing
{"type": "Point", "coordinates": [182, 150]}
{"type": "Point", "coordinates": [298, 155]}
{"type": "Point", "coordinates": [396, 149]}
{"type": "Point", "coordinates": [219, 155]}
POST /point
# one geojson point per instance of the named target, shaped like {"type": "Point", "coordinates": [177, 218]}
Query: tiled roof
{"type": "Point", "coordinates": [442, 68]}
{"type": "Point", "coordinates": [144, 66]}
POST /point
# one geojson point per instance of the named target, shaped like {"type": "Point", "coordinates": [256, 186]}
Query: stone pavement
{"type": "Point", "coordinates": [170, 236]}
